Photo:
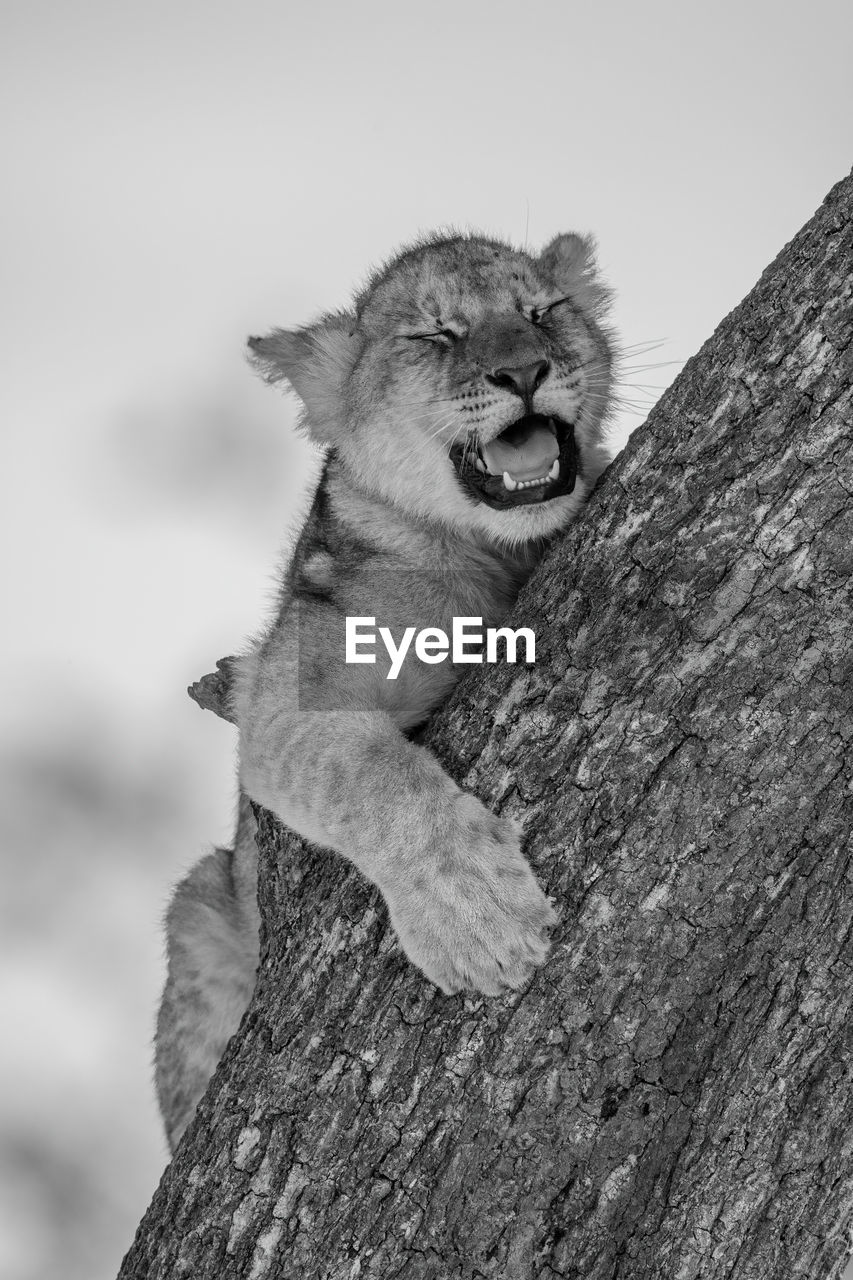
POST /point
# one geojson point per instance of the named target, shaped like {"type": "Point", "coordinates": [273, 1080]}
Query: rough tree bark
{"type": "Point", "coordinates": [672, 1096]}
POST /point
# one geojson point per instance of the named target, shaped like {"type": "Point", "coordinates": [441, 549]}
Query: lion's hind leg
{"type": "Point", "coordinates": [212, 941]}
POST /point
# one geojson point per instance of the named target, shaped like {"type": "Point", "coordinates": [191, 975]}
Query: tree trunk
{"type": "Point", "coordinates": [672, 1096]}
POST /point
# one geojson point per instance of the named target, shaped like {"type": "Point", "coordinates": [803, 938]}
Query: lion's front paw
{"type": "Point", "coordinates": [471, 914]}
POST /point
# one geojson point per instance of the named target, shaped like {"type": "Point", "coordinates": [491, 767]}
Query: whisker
{"type": "Point", "coordinates": [661, 364]}
{"type": "Point", "coordinates": [638, 348]}
{"type": "Point", "coordinates": [425, 415]}
{"type": "Point", "coordinates": [416, 444]}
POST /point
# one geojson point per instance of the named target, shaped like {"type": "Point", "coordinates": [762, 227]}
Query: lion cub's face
{"type": "Point", "coordinates": [468, 385]}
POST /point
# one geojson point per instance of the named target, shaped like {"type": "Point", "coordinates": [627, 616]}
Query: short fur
{"type": "Point", "coordinates": [419, 363]}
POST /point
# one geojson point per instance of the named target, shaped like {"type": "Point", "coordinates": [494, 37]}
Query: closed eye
{"type": "Point", "coordinates": [444, 336]}
{"type": "Point", "coordinates": [537, 314]}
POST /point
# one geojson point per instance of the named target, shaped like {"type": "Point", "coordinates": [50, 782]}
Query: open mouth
{"type": "Point", "coordinates": [534, 460]}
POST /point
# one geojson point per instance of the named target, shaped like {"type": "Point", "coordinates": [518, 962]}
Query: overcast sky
{"type": "Point", "coordinates": [185, 173]}
{"type": "Point", "coordinates": [176, 176]}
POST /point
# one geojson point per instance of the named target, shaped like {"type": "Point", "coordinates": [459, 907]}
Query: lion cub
{"type": "Point", "coordinates": [461, 403]}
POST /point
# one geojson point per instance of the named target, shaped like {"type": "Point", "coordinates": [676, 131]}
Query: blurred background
{"type": "Point", "coordinates": [178, 175]}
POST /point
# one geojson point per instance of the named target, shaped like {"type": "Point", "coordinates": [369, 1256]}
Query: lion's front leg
{"type": "Point", "coordinates": [463, 900]}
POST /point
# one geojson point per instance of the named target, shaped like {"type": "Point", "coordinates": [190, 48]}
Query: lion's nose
{"type": "Point", "coordinates": [522, 380]}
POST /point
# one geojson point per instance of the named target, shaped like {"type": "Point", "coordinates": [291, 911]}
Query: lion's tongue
{"type": "Point", "coordinates": [530, 454]}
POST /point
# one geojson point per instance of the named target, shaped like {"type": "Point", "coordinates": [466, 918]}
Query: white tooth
{"type": "Point", "coordinates": [552, 426]}
{"type": "Point", "coordinates": [479, 464]}
{"type": "Point", "coordinates": [509, 483]}
{"type": "Point", "coordinates": [554, 473]}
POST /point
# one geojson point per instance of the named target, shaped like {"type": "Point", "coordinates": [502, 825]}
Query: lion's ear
{"type": "Point", "coordinates": [316, 360]}
{"type": "Point", "coordinates": [570, 262]}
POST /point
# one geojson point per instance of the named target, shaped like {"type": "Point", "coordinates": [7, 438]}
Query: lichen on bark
{"type": "Point", "coordinates": [671, 1096]}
